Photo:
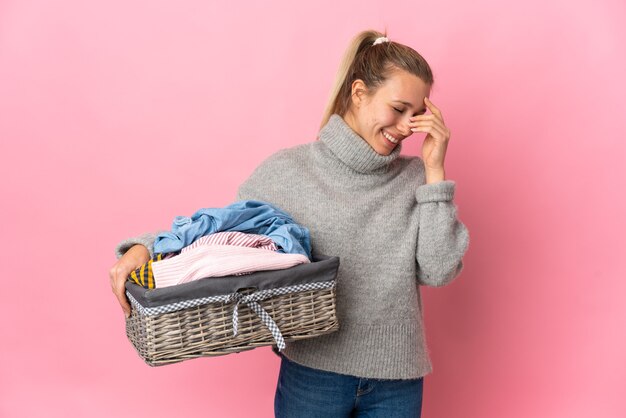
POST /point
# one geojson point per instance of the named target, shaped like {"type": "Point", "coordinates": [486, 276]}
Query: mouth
{"type": "Point", "coordinates": [390, 138]}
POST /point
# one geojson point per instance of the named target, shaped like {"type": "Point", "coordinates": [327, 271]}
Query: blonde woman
{"type": "Point", "coordinates": [391, 220]}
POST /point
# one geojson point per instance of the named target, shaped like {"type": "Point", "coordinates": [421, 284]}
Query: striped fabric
{"type": "Point", "coordinates": [220, 260]}
{"type": "Point", "coordinates": [240, 239]}
{"type": "Point", "coordinates": [143, 275]}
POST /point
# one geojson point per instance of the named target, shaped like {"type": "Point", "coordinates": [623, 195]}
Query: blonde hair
{"type": "Point", "coordinates": [373, 64]}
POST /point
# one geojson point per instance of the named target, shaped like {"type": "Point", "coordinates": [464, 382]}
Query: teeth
{"type": "Point", "coordinates": [389, 137]}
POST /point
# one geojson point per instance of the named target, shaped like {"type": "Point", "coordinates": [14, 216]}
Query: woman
{"type": "Point", "coordinates": [391, 220]}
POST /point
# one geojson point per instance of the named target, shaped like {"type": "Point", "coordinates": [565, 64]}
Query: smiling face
{"type": "Point", "coordinates": [382, 119]}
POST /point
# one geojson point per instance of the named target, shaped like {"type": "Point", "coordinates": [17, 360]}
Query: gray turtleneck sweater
{"type": "Point", "coordinates": [392, 233]}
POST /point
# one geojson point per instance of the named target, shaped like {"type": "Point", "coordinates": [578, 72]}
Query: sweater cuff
{"type": "Point", "coordinates": [440, 191]}
{"type": "Point", "coordinates": [147, 240]}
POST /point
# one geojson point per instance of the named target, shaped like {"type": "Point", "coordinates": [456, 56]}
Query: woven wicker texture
{"type": "Point", "coordinates": [207, 330]}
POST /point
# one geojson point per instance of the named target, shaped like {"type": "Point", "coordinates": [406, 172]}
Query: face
{"type": "Point", "coordinates": [382, 119]}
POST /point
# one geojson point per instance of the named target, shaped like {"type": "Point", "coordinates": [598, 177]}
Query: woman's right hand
{"type": "Point", "coordinates": [135, 257]}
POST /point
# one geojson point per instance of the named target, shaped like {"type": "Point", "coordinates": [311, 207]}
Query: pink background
{"type": "Point", "coordinates": [104, 106]}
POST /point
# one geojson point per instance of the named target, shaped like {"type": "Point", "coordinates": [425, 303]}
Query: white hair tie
{"type": "Point", "coordinates": [380, 40]}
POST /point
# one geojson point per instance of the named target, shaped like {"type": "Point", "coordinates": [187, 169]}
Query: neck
{"type": "Point", "coordinates": [351, 149]}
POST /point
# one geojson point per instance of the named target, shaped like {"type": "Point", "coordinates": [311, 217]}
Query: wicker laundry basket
{"type": "Point", "coordinates": [222, 315]}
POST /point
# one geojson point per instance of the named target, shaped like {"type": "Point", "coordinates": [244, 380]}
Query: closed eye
{"type": "Point", "coordinates": [416, 114]}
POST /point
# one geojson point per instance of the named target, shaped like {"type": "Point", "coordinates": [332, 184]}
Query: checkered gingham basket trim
{"type": "Point", "coordinates": [249, 299]}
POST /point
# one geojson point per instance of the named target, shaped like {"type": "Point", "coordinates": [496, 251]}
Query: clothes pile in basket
{"type": "Point", "coordinates": [264, 286]}
{"type": "Point", "coordinates": [241, 238]}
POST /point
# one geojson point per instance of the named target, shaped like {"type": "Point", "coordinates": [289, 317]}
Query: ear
{"type": "Point", "coordinates": [359, 91]}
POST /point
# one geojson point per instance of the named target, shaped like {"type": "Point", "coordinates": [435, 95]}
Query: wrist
{"type": "Point", "coordinates": [139, 253]}
{"type": "Point", "coordinates": [435, 175]}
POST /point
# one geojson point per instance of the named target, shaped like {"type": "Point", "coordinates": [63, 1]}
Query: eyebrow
{"type": "Point", "coordinates": [409, 105]}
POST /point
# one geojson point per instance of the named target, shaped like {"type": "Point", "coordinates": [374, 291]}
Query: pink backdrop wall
{"type": "Point", "coordinates": [104, 105]}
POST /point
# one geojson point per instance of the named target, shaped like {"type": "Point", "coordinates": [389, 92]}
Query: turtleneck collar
{"type": "Point", "coordinates": [351, 149]}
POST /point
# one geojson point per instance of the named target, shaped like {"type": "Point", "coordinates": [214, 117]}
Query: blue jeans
{"type": "Point", "coordinates": [303, 392]}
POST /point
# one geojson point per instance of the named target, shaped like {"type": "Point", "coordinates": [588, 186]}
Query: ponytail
{"type": "Point", "coordinates": [373, 64]}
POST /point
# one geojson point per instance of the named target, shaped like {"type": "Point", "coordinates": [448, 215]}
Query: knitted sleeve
{"type": "Point", "coordinates": [258, 186]}
{"type": "Point", "coordinates": [251, 188]}
{"type": "Point", "coordinates": [147, 240]}
{"type": "Point", "coordinates": [243, 193]}
{"type": "Point", "coordinates": [264, 183]}
{"type": "Point", "coordinates": [442, 239]}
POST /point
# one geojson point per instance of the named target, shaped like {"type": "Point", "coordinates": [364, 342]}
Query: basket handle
{"type": "Point", "coordinates": [251, 301]}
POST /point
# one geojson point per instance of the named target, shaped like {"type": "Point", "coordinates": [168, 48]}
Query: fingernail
{"type": "Point", "coordinates": [127, 315]}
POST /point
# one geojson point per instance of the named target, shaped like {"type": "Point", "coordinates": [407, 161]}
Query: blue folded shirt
{"type": "Point", "coordinates": [251, 216]}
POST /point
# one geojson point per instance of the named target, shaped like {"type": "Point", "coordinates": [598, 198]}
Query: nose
{"type": "Point", "coordinates": [403, 126]}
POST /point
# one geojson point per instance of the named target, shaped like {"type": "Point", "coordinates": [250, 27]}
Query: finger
{"type": "Point", "coordinates": [442, 130]}
{"type": "Point", "coordinates": [432, 121]}
{"type": "Point", "coordinates": [434, 109]}
{"type": "Point", "coordinates": [423, 117]}
{"type": "Point", "coordinates": [432, 130]}
{"type": "Point", "coordinates": [118, 282]}
{"type": "Point", "coordinates": [121, 297]}
{"type": "Point", "coordinates": [113, 279]}
{"type": "Point", "coordinates": [426, 117]}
